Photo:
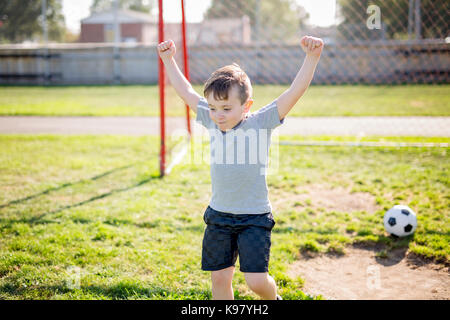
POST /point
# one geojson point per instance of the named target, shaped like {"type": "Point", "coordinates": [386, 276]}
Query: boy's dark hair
{"type": "Point", "coordinates": [222, 80]}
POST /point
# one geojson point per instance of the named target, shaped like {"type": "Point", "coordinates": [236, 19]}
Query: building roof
{"type": "Point", "coordinates": [124, 16]}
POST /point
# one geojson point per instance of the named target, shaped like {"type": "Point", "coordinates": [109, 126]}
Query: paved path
{"type": "Point", "coordinates": [392, 126]}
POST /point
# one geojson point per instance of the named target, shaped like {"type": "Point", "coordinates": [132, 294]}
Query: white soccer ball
{"type": "Point", "coordinates": [400, 221]}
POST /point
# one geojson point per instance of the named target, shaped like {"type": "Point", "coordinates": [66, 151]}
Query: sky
{"type": "Point", "coordinates": [321, 12]}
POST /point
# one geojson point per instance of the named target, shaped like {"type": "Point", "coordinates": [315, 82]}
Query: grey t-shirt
{"type": "Point", "coordinates": [239, 160]}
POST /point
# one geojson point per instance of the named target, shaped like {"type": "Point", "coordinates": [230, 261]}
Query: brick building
{"type": "Point", "coordinates": [134, 27]}
{"type": "Point", "coordinates": [213, 31]}
{"type": "Point", "coordinates": [140, 27]}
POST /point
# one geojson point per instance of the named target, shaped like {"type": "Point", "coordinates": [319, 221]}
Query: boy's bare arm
{"type": "Point", "coordinates": [286, 101]}
{"type": "Point", "coordinates": [166, 51]}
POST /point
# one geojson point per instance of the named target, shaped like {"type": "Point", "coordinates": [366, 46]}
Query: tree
{"type": "Point", "coordinates": [135, 5]}
{"type": "Point", "coordinates": [394, 16]}
{"type": "Point", "coordinates": [22, 20]}
{"type": "Point", "coordinates": [279, 20]}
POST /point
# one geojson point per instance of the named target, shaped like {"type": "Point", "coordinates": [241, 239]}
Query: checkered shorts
{"type": "Point", "coordinates": [229, 235]}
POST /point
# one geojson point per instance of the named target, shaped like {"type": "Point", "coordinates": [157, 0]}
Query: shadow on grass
{"type": "Point", "coordinates": [69, 184]}
{"type": "Point", "coordinates": [126, 291]}
{"type": "Point", "coordinates": [120, 291]}
{"type": "Point", "coordinates": [39, 219]}
{"type": "Point", "coordinates": [388, 251]}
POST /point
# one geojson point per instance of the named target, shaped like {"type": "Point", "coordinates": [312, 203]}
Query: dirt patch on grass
{"type": "Point", "coordinates": [362, 274]}
{"type": "Point", "coordinates": [325, 197]}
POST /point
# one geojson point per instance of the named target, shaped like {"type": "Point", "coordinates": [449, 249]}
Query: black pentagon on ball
{"type": "Point", "coordinates": [392, 221]}
{"type": "Point", "coordinates": [408, 228]}
{"type": "Point", "coordinates": [405, 212]}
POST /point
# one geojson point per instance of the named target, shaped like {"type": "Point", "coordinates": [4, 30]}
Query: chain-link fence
{"type": "Point", "coordinates": [372, 42]}
{"type": "Point", "coordinates": [387, 43]}
{"type": "Point", "coordinates": [392, 43]}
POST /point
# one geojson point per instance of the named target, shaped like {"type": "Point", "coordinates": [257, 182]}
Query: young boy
{"type": "Point", "coordinates": [239, 219]}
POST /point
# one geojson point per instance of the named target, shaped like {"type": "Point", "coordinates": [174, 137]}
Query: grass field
{"type": "Point", "coordinates": [407, 100]}
{"type": "Point", "coordinates": [86, 217]}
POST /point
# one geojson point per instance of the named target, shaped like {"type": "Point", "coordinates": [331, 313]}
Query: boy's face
{"type": "Point", "coordinates": [227, 113]}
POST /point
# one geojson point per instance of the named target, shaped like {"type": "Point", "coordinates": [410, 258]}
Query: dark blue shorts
{"type": "Point", "coordinates": [229, 235]}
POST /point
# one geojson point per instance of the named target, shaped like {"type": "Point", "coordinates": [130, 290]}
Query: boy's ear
{"type": "Point", "coordinates": [248, 105]}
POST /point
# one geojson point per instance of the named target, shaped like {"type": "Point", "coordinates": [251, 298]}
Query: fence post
{"type": "Point", "coordinates": [418, 20]}
{"type": "Point", "coordinates": [410, 18]}
{"type": "Point", "coordinates": [117, 38]}
{"type": "Point", "coordinates": [45, 40]}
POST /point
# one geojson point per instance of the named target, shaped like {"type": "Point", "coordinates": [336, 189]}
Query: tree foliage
{"type": "Point", "coordinates": [23, 20]}
{"type": "Point", "coordinates": [135, 5]}
{"type": "Point", "coordinates": [278, 19]}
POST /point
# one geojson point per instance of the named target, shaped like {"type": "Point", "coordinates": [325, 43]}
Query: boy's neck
{"type": "Point", "coordinates": [237, 124]}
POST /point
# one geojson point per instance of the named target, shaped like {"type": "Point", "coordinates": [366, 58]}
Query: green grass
{"type": "Point", "coordinates": [354, 139]}
{"type": "Point", "coordinates": [86, 217]}
{"type": "Point", "coordinates": [360, 100]}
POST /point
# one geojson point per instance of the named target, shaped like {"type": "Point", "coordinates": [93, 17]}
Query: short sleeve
{"type": "Point", "coordinates": [268, 116]}
{"type": "Point", "coordinates": [203, 113]}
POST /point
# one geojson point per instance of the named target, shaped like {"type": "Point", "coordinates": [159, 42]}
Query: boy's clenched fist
{"type": "Point", "coordinates": [166, 49]}
{"type": "Point", "coordinates": [312, 46]}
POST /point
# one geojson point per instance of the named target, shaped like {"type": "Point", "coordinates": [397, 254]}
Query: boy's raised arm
{"type": "Point", "coordinates": [286, 101]}
{"type": "Point", "coordinates": [166, 51]}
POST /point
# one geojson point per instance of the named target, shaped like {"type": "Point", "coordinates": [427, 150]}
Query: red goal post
{"type": "Point", "coordinates": [162, 83]}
